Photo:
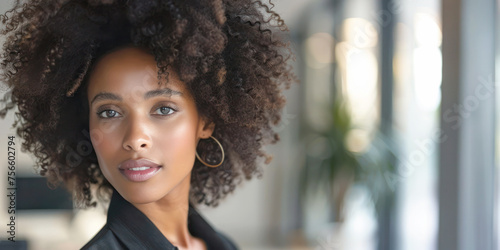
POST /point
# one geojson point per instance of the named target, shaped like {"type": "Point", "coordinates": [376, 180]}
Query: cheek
{"type": "Point", "coordinates": [178, 142]}
{"type": "Point", "coordinates": [103, 139]}
{"type": "Point", "coordinates": [105, 146]}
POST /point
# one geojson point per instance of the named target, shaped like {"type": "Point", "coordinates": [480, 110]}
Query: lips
{"type": "Point", "coordinates": [139, 170]}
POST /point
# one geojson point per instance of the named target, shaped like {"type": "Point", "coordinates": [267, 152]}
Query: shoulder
{"type": "Point", "coordinates": [230, 244]}
{"type": "Point", "coordinates": [104, 239]}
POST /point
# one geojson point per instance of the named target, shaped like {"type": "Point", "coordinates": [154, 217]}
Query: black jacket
{"type": "Point", "coordinates": [128, 228]}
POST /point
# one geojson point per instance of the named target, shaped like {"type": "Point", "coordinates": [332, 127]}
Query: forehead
{"type": "Point", "coordinates": [128, 67]}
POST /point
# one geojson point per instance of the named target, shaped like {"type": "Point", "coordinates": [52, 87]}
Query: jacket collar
{"type": "Point", "coordinates": [137, 231]}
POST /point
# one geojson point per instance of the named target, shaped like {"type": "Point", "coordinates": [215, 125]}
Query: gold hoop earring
{"type": "Point", "coordinates": [209, 165]}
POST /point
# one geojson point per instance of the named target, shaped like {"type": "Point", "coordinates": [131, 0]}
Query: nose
{"type": "Point", "coordinates": [137, 137]}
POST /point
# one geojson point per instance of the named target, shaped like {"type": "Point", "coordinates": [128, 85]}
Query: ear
{"type": "Point", "coordinates": [206, 128]}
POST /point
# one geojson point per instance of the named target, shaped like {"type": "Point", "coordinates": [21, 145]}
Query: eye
{"type": "Point", "coordinates": [164, 110]}
{"type": "Point", "coordinates": [108, 113]}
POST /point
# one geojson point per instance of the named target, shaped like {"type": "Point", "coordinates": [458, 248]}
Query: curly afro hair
{"type": "Point", "coordinates": [231, 54]}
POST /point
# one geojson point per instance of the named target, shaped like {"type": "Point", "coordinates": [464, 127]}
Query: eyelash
{"type": "Point", "coordinates": [99, 112]}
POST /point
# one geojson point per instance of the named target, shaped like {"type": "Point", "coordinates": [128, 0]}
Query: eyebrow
{"type": "Point", "coordinates": [150, 94]}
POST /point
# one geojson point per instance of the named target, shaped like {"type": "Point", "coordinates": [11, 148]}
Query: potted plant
{"type": "Point", "coordinates": [332, 166]}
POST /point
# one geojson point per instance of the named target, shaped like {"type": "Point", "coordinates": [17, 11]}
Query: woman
{"type": "Point", "coordinates": [160, 105]}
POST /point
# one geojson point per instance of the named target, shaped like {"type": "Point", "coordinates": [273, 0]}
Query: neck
{"type": "Point", "coordinates": [170, 214]}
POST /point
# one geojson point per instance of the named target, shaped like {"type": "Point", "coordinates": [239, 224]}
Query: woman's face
{"type": "Point", "coordinates": [144, 135]}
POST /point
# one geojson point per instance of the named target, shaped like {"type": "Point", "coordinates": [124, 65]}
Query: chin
{"type": "Point", "coordinates": [140, 196]}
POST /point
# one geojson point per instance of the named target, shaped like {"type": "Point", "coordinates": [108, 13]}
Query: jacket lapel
{"type": "Point", "coordinates": [136, 231]}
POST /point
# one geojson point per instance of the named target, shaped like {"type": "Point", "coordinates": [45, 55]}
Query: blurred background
{"type": "Point", "coordinates": [388, 142]}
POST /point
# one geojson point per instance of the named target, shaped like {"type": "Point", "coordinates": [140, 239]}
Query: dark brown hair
{"type": "Point", "coordinates": [227, 52]}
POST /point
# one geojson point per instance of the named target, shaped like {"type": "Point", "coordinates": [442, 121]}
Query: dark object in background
{"type": "Point", "coordinates": [34, 193]}
{"type": "Point", "coordinates": [17, 245]}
